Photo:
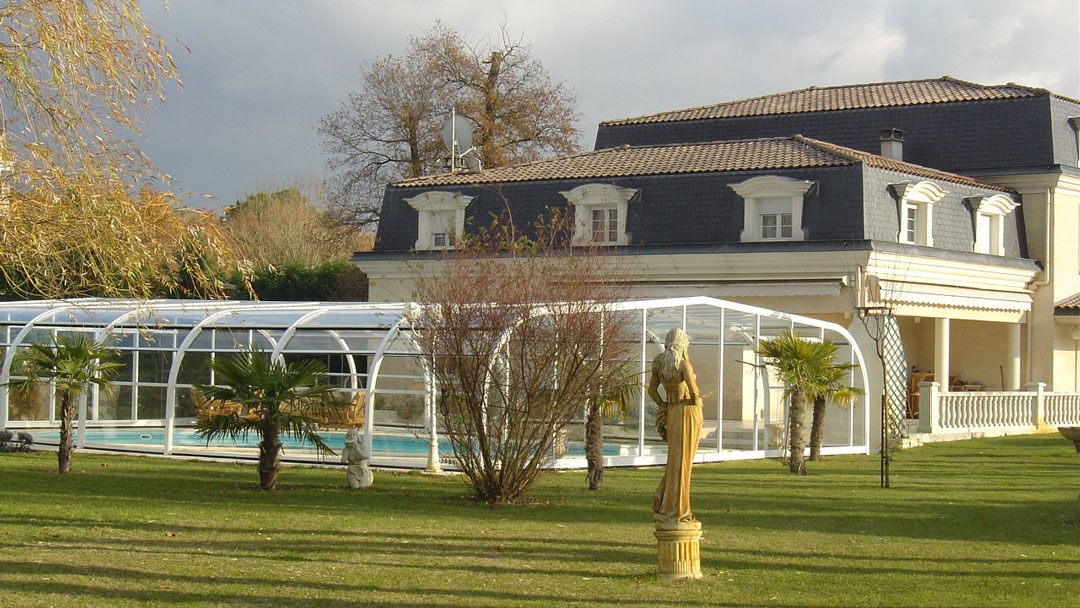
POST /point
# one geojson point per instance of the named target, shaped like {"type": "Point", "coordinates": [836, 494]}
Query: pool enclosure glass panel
{"type": "Point", "coordinates": [165, 347]}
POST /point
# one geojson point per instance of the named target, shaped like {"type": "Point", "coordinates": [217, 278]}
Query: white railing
{"type": "Point", "coordinates": [1062, 409]}
{"type": "Point", "coordinates": [944, 412]}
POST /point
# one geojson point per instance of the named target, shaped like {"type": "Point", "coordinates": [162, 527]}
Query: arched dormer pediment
{"type": "Point", "coordinates": [919, 192]}
{"type": "Point", "coordinates": [439, 200]}
{"type": "Point", "coordinates": [998, 204]}
{"type": "Point", "coordinates": [599, 194]}
{"type": "Point", "coordinates": [767, 186]}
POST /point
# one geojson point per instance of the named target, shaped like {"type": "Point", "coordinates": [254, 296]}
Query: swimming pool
{"type": "Point", "coordinates": [413, 445]}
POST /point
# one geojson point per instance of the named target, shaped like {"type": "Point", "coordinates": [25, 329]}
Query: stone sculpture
{"type": "Point", "coordinates": [678, 421]}
{"type": "Point", "coordinates": [356, 456]}
{"type": "Point", "coordinates": [15, 442]}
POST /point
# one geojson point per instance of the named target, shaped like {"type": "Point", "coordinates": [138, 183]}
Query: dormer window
{"type": "Point", "coordinates": [605, 225]}
{"type": "Point", "coordinates": [910, 230]}
{"type": "Point", "coordinates": [442, 229]}
{"type": "Point", "coordinates": [772, 208]}
{"type": "Point", "coordinates": [441, 216]}
{"type": "Point", "coordinates": [776, 217]}
{"type": "Point", "coordinates": [600, 214]}
{"type": "Point", "coordinates": [989, 219]}
{"type": "Point", "coordinates": [915, 205]}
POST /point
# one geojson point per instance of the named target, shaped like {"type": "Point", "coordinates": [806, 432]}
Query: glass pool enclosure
{"type": "Point", "coordinates": [166, 346]}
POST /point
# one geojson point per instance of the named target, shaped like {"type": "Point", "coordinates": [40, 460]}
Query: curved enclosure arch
{"type": "Point", "coordinates": [373, 359]}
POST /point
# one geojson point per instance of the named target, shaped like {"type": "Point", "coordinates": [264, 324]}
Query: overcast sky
{"type": "Point", "coordinates": [258, 75]}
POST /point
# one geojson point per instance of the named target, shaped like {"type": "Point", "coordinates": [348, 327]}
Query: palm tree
{"type": "Point", "coordinates": [71, 364]}
{"type": "Point", "coordinates": [614, 401]}
{"type": "Point", "coordinates": [808, 369]}
{"type": "Point", "coordinates": [835, 391]}
{"type": "Point", "coordinates": [278, 398]}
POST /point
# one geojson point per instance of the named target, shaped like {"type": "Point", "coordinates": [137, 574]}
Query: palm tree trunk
{"type": "Point", "coordinates": [797, 429]}
{"type": "Point", "coordinates": [269, 458]}
{"type": "Point", "coordinates": [817, 428]}
{"type": "Point", "coordinates": [594, 447]}
{"type": "Point", "coordinates": [67, 415]}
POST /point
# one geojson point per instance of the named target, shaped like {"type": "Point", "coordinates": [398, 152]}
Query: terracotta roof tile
{"type": "Point", "coordinates": [1070, 304]}
{"type": "Point", "coordinates": [671, 159]}
{"type": "Point", "coordinates": [881, 162]}
{"type": "Point", "coordinates": [665, 159]}
{"type": "Point", "coordinates": [848, 97]}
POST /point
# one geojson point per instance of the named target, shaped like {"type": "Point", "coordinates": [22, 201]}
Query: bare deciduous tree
{"type": "Point", "coordinates": [520, 114]}
{"type": "Point", "coordinates": [391, 128]}
{"type": "Point", "coordinates": [291, 226]}
{"type": "Point", "coordinates": [518, 330]}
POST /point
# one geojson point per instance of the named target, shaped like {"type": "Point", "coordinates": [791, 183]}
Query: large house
{"type": "Point", "coordinates": [955, 205]}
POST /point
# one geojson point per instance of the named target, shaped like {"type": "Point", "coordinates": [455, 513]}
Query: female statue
{"type": "Point", "coordinates": [679, 422]}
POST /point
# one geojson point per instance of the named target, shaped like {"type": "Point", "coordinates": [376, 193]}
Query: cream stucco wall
{"type": "Point", "coordinates": [1051, 207]}
{"type": "Point", "coordinates": [982, 300]}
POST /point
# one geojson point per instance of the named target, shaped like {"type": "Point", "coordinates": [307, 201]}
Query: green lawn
{"type": "Point", "coordinates": [990, 522]}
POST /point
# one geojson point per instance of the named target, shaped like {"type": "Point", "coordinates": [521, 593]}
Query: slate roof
{"type": "Point", "coordinates": [847, 97]}
{"type": "Point", "coordinates": [670, 159]}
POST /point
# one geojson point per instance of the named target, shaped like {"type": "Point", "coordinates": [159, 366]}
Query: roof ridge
{"type": "Point", "coordinates": [855, 155]}
{"type": "Point", "coordinates": [812, 87]}
{"type": "Point", "coordinates": [679, 114]}
{"type": "Point", "coordinates": [586, 153]}
{"type": "Point", "coordinates": [530, 163]}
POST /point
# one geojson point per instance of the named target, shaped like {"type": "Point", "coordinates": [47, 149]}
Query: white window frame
{"type": "Point", "coordinates": [993, 209]}
{"type": "Point", "coordinates": [917, 198]}
{"type": "Point", "coordinates": [776, 210]}
{"type": "Point", "coordinates": [427, 205]}
{"type": "Point", "coordinates": [589, 197]}
{"type": "Point", "coordinates": [757, 190]}
{"type": "Point", "coordinates": [603, 234]}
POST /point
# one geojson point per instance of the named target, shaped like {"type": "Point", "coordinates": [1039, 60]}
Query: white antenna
{"type": "Point", "coordinates": [457, 134]}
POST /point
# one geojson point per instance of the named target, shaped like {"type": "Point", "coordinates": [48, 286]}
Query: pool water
{"type": "Point", "coordinates": [186, 437]}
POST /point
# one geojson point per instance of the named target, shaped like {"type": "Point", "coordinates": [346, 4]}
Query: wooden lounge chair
{"type": "Point", "coordinates": [349, 417]}
{"type": "Point", "coordinates": [207, 407]}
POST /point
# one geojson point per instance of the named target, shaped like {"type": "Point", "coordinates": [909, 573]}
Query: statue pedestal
{"type": "Point", "coordinates": [678, 550]}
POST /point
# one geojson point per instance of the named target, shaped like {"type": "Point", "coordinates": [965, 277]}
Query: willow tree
{"type": "Point", "coordinates": [112, 245]}
{"type": "Point", "coordinates": [76, 80]}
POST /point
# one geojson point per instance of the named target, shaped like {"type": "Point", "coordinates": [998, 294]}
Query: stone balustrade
{"type": "Point", "coordinates": [1015, 411]}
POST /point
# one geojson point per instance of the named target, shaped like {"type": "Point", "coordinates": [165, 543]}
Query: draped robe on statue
{"type": "Point", "coordinates": [680, 415]}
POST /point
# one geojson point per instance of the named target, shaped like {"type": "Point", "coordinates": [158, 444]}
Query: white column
{"type": "Point", "coordinates": [1038, 406]}
{"type": "Point", "coordinates": [929, 407]}
{"type": "Point", "coordinates": [941, 353]}
{"type": "Point", "coordinates": [1012, 357]}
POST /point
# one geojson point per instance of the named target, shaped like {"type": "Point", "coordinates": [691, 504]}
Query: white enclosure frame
{"type": "Point", "coordinates": [278, 323]}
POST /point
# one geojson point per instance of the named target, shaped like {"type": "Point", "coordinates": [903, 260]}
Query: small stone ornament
{"type": "Point", "coordinates": [356, 456]}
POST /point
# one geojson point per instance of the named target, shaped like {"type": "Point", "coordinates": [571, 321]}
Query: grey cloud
{"type": "Point", "coordinates": [261, 74]}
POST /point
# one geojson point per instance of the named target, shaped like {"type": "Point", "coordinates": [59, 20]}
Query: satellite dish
{"type": "Point", "coordinates": [457, 128]}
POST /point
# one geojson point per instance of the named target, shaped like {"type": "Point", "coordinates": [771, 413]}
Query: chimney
{"type": "Point", "coordinates": [892, 144]}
